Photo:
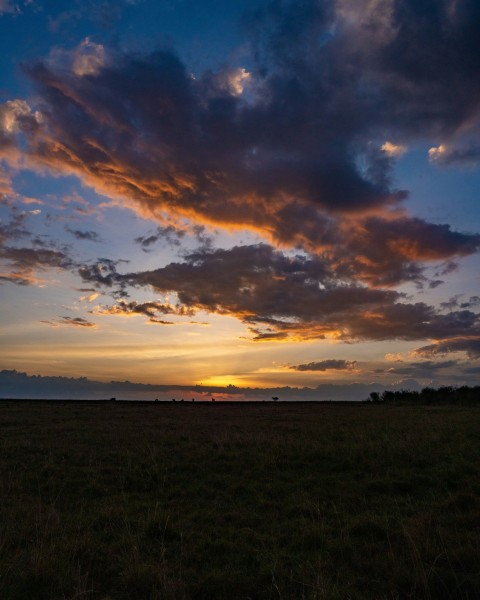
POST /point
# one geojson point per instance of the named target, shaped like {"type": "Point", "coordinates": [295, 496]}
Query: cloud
{"type": "Point", "coordinates": [464, 154]}
{"type": "Point", "coordinates": [17, 116]}
{"type": "Point", "coordinates": [6, 189]}
{"type": "Point", "coordinates": [13, 229]}
{"type": "Point", "coordinates": [392, 149]}
{"type": "Point", "coordinates": [71, 322]}
{"type": "Point", "coordinates": [91, 236]}
{"type": "Point", "coordinates": [469, 344]}
{"type": "Point", "coordinates": [420, 369]}
{"type": "Point", "coordinates": [170, 234]}
{"type": "Point", "coordinates": [471, 370]}
{"type": "Point", "coordinates": [173, 237]}
{"type": "Point", "coordinates": [326, 365]}
{"type": "Point", "coordinates": [29, 258]}
{"type": "Point", "coordinates": [90, 298]}
{"type": "Point", "coordinates": [103, 273]}
{"type": "Point", "coordinates": [23, 262]}
{"type": "Point", "coordinates": [87, 59]}
{"type": "Point", "coordinates": [238, 79]}
{"type": "Point", "coordinates": [281, 296]}
{"type": "Point", "coordinates": [148, 309]}
{"type": "Point", "coordinates": [22, 278]}
{"type": "Point", "coordinates": [301, 159]}
{"type": "Point", "coordinates": [388, 251]}
{"type": "Point", "coordinates": [472, 302]}
{"type": "Point", "coordinates": [303, 155]}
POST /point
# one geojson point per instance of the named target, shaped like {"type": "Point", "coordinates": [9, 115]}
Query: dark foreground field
{"type": "Point", "coordinates": [261, 501]}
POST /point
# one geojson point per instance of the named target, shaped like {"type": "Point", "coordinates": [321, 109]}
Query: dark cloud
{"type": "Point", "coordinates": [103, 273]}
{"type": "Point", "coordinates": [414, 321]}
{"type": "Point", "coordinates": [171, 235]}
{"type": "Point", "coordinates": [202, 236]}
{"type": "Point", "coordinates": [17, 278]}
{"type": "Point", "coordinates": [148, 309]}
{"type": "Point", "coordinates": [389, 251]}
{"type": "Point", "coordinates": [467, 155]}
{"type": "Point", "coordinates": [71, 321]}
{"type": "Point", "coordinates": [258, 283]}
{"type": "Point", "coordinates": [326, 365]}
{"type": "Point", "coordinates": [282, 296]}
{"type": "Point", "coordinates": [453, 302]}
{"type": "Point", "coordinates": [299, 157]}
{"type": "Point", "coordinates": [91, 236]}
{"type": "Point", "coordinates": [426, 368]}
{"type": "Point", "coordinates": [23, 263]}
{"type": "Point", "coordinates": [15, 228]}
{"type": "Point", "coordinates": [29, 258]}
{"type": "Point", "coordinates": [468, 344]}
{"type": "Point", "coordinates": [472, 302]}
{"type": "Point", "coordinates": [206, 152]}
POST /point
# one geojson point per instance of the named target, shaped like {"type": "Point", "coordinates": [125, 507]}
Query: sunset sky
{"type": "Point", "coordinates": [260, 194]}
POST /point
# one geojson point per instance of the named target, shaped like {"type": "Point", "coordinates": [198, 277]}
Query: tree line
{"type": "Point", "coordinates": [463, 395]}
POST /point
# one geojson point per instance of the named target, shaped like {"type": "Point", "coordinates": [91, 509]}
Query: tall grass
{"type": "Point", "coordinates": [265, 501]}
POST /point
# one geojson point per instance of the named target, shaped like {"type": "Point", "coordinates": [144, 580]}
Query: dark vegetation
{"type": "Point", "coordinates": [446, 395]}
{"type": "Point", "coordinates": [215, 501]}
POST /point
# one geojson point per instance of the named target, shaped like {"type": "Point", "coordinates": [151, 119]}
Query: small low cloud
{"type": "Point", "coordinates": [327, 365]}
{"type": "Point", "coordinates": [169, 235]}
{"type": "Point", "coordinates": [89, 58]}
{"type": "Point", "coordinates": [14, 229]}
{"type": "Point", "coordinates": [392, 149]}
{"type": "Point", "coordinates": [471, 302]}
{"type": "Point", "coordinates": [91, 236]}
{"type": "Point", "coordinates": [70, 321]}
{"type": "Point", "coordinates": [90, 297]}
{"type": "Point", "coordinates": [19, 278]}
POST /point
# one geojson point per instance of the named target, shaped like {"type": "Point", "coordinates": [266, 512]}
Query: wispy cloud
{"type": "Point", "coordinates": [91, 236]}
{"type": "Point", "coordinates": [326, 365]}
{"type": "Point", "coordinates": [24, 262]}
{"type": "Point", "coordinates": [70, 322]}
{"type": "Point", "coordinates": [170, 235]}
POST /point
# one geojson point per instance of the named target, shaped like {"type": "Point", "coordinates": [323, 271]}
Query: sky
{"type": "Point", "coordinates": [258, 194]}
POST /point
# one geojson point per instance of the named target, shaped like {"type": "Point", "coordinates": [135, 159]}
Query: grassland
{"type": "Point", "coordinates": [216, 501]}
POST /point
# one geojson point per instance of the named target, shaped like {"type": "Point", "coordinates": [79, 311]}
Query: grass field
{"type": "Point", "coordinates": [224, 501]}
